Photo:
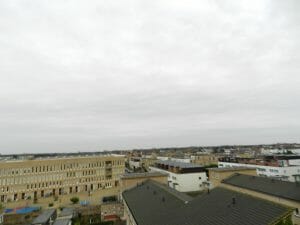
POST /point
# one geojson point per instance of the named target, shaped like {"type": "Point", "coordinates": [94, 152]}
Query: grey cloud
{"type": "Point", "coordinates": [95, 75]}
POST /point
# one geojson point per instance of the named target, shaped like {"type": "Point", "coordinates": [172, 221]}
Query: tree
{"type": "Point", "coordinates": [74, 200]}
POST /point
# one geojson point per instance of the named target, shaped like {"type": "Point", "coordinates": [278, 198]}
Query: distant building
{"type": "Point", "coordinates": [129, 180]}
{"type": "Point", "coordinates": [143, 162]}
{"type": "Point", "coordinates": [205, 159]}
{"type": "Point", "coordinates": [45, 177]}
{"type": "Point", "coordinates": [184, 177]}
{"type": "Point", "coordinates": [180, 160]}
{"type": "Point", "coordinates": [282, 167]}
{"type": "Point", "coordinates": [154, 204]}
{"type": "Point", "coordinates": [135, 163]}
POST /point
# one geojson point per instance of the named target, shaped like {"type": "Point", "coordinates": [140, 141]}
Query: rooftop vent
{"type": "Point", "coordinates": [233, 201]}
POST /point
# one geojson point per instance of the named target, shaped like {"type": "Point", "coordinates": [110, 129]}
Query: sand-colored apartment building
{"type": "Point", "coordinates": [55, 176]}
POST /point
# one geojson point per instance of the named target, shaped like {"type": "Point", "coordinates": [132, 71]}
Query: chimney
{"type": "Point", "coordinates": [233, 201]}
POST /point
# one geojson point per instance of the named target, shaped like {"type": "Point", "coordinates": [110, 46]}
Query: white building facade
{"type": "Point", "coordinates": [184, 177]}
{"type": "Point", "coordinates": [285, 172]}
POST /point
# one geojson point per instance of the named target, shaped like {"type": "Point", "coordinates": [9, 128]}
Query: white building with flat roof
{"type": "Point", "coordinates": [184, 177]}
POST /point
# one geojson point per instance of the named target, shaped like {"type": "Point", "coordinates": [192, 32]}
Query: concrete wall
{"type": "Point", "coordinates": [128, 216]}
{"type": "Point", "coordinates": [127, 183]}
{"type": "Point", "coordinates": [215, 177]}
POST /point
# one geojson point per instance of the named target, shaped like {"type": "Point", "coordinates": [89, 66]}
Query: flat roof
{"type": "Point", "coordinates": [44, 217]}
{"type": "Point", "coordinates": [58, 158]}
{"type": "Point", "coordinates": [283, 189]}
{"type": "Point", "coordinates": [179, 164]}
{"type": "Point", "coordinates": [67, 212]}
{"type": "Point", "coordinates": [62, 222]}
{"type": "Point", "coordinates": [139, 175]}
{"type": "Point", "coordinates": [225, 169]}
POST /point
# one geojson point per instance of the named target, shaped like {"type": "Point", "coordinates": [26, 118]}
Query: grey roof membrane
{"type": "Point", "coordinates": [62, 222]}
{"type": "Point", "coordinates": [44, 217]}
{"type": "Point", "coordinates": [284, 189]}
{"type": "Point", "coordinates": [150, 204]}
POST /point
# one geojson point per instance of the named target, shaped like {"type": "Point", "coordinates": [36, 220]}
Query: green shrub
{"type": "Point", "coordinates": [74, 200]}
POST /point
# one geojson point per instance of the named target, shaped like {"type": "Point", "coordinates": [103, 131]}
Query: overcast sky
{"type": "Point", "coordinates": [95, 75]}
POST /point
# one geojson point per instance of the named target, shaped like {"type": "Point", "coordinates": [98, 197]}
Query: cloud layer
{"type": "Point", "coordinates": [94, 75]}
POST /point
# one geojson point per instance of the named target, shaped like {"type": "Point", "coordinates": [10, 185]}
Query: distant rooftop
{"type": "Point", "coordinates": [5, 159]}
{"type": "Point", "coordinates": [178, 164]}
{"type": "Point", "coordinates": [283, 189]}
{"type": "Point", "coordinates": [66, 212]}
{"type": "Point", "coordinates": [137, 175]}
{"type": "Point", "coordinates": [225, 169]}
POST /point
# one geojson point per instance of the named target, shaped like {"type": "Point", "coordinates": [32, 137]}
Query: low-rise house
{"type": "Point", "coordinates": [205, 159]}
{"type": "Point", "coordinates": [46, 218]}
